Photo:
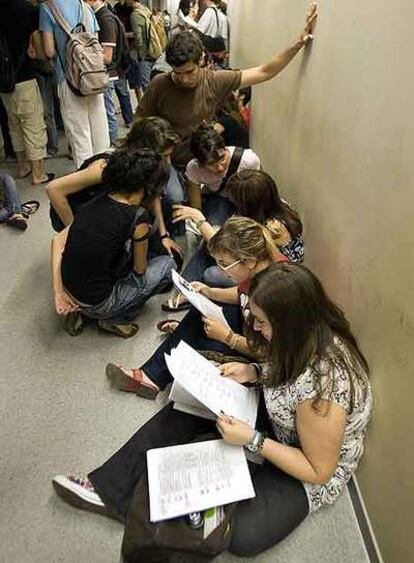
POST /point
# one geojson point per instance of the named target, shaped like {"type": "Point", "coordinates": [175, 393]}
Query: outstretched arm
{"type": "Point", "coordinates": [269, 70]}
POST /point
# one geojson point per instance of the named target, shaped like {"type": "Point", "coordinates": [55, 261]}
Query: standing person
{"type": "Point", "coordinates": [84, 117]}
{"type": "Point", "coordinates": [209, 23]}
{"type": "Point", "coordinates": [224, 30]}
{"type": "Point", "coordinates": [108, 37]}
{"type": "Point", "coordinates": [143, 23]}
{"type": "Point", "coordinates": [190, 94]}
{"type": "Point", "coordinates": [21, 95]}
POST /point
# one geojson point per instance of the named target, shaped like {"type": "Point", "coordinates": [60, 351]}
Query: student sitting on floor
{"type": "Point", "coordinates": [255, 195]}
{"type": "Point", "coordinates": [92, 272]}
{"type": "Point", "coordinates": [69, 192]}
{"type": "Point", "coordinates": [207, 176]}
{"type": "Point", "coordinates": [12, 211]}
{"type": "Point", "coordinates": [242, 248]}
{"type": "Point", "coordinates": [315, 407]}
{"type": "Point", "coordinates": [208, 172]}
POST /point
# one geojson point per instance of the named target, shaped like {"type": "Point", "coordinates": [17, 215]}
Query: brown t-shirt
{"type": "Point", "coordinates": [187, 109]}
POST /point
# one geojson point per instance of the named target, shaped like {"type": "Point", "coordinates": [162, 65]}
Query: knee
{"type": "Point", "coordinates": [244, 544]}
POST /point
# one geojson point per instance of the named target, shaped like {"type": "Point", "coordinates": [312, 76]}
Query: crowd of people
{"type": "Point", "coordinates": [185, 166]}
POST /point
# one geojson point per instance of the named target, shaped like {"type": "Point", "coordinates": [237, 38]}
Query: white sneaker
{"type": "Point", "coordinates": [79, 492]}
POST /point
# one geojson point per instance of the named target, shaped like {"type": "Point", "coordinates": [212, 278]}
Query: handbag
{"type": "Point", "coordinates": [170, 541]}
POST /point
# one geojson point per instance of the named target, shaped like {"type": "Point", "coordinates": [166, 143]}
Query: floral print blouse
{"type": "Point", "coordinates": [281, 404]}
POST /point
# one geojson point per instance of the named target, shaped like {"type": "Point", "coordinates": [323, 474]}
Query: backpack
{"type": "Point", "coordinates": [123, 58]}
{"type": "Point", "coordinates": [7, 68]}
{"type": "Point", "coordinates": [156, 37]}
{"type": "Point", "coordinates": [85, 70]}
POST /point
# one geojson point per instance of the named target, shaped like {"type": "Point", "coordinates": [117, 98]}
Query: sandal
{"type": "Point", "coordinates": [49, 177]}
{"type": "Point", "coordinates": [172, 305]}
{"type": "Point", "coordinates": [73, 323]}
{"type": "Point", "coordinates": [131, 384]}
{"type": "Point", "coordinates": [162, 326]}
{"type": "Point", "coordinates": [18, 221]}
{"type": "Point", "coordinates": [30, 207]}
{"type": "Point", "coordinates": [124, 331]}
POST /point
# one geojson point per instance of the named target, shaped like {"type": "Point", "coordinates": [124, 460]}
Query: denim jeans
{"type": "Point", "coordinates": [174, 193]}
{"type": "Point", "coordinates": [130, 293]}
{"type": "Point", "coordinates": [122, 92]}
{"type": "Point", "coordinates": [145, 67]}
{"type": "Point", "coordinates": [217, 208]}
{"type": "Point", "coordinates": [46, 83]}
{"type": "Point", "coordinates": [11, 197]}
{"type": "Point", "coordinates": [280, 503]}
{"type": "Point", "coordinates": [110, 111]}
{"type": "Point", "coordinates": [191, 330]}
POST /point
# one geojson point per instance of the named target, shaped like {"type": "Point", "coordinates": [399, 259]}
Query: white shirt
{"type": "Point", "coordinates": [224, 25]}
{"type": "Point", "coordinates": [208, 22]}
{"type": "Point", "coordinates": [212, 181]}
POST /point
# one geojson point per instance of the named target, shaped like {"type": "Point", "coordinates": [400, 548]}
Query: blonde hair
{"type": "Point", "coordinates": [245, 239]}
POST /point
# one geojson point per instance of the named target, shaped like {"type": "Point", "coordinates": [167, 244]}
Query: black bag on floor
{"type": "Point", "coordinates": [171, 541]}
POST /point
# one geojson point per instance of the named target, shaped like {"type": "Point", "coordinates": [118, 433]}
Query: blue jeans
{"type": "Point", "coordinates": [145, 68]}
{"type": "Point", "coordinates": [11, 197]}
{"type": "Point", "coordinates": [130, 293]}
{"type": "Point", "coordinates": [217, 208]}
{"type": "Point", "coordinates": [122, 92]}
{"type": "Point", "coordinates": [110, 112]}
{"type": "Point", "coordinates": [191, 330]}
{"type": "Point", "coordinates": [174, 193]}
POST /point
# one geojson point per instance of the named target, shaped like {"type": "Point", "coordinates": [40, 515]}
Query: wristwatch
{"type": "Point", "coordinates": [255, 445]}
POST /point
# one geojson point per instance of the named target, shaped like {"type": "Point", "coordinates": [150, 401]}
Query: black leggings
{"type": "Point", "coordinates": [258, 524]}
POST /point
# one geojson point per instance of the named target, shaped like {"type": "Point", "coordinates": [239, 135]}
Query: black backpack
{"type": "Point", "coordinates": [123, 58]}
{"type": "Point", "coordinates": [7, 67]}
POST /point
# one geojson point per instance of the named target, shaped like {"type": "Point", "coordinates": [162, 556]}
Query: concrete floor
{"type": "Point", "coordinates": [58, 415]}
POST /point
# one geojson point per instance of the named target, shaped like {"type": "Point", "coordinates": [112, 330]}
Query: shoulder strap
{"type": "Point", "coordinates": [217, 19]}
{"type": "Point", "coordinates": [84, 15]}
{"type": "Point", "coordinates": [59, 17]}
{"type": "Point", "coordinates": [233, 167]}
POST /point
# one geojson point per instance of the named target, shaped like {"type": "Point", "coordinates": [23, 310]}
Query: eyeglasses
{"type": "Point", "coordinates": [225, 268]}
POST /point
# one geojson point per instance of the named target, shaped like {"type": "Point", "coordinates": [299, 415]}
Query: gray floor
{"type": "Point", "coordinates": [58, 415]}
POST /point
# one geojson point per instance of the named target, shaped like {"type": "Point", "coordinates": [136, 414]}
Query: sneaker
{"type": "Point", "coordinates": [79, 492]}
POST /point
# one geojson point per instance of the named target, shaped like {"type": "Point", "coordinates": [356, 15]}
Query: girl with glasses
{"type": "Point", "coordinates": [242, 248]}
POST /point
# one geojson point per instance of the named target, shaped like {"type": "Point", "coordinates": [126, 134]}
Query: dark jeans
{"type": "Point", "coordinates": [258, 524]}
{"type": "Point", "coordinates": [217, 208]}
{"type": "Point", "coordinates": [122, 92]}
{"type": "Point", "coordinates": [191, 330]}
{"type": "Point", "coordinates": [46, 83]}
{"type": "Point", "coordinates": [4, 124]}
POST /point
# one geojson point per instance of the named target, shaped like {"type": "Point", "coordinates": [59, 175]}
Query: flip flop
{"type": "Point", "coordinates": [171, 305]}
{"type": "Point", "coordinates": [162, 326]}
{"type": "Point", "coordinates": [30, 207]}
{"type": "Point", "coordinates": [73, 323]}
{"type": "Point", "coordinates": [49, 177]}
{"type": "Point", "coordinates": [18, 222]}
{"type": "Point", "coordinates": [124, 331]}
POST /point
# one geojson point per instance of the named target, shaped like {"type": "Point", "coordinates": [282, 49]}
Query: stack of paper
{"type": "Point", "coordinates": [195, 477]}
{"type": "Point", "coordinates": [206, 307]}
{"type": "Point", "coordinates": [200, 389]}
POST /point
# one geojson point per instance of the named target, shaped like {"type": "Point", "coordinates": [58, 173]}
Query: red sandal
{"type": "Point", "coordinates": [131, 384]}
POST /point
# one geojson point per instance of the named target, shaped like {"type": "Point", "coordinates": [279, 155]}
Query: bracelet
{"type": "Point", "coordinates": [200, 222]}
{"type": "Point", "coordinates": [234, 341]}
{"type": "Point", "coordinates": [229, 336]}
{"type": "Point", "coordinates": [167, 235]}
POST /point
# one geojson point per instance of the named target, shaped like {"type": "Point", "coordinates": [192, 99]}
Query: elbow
{"type": "Point", "coordinates": [323, 476]}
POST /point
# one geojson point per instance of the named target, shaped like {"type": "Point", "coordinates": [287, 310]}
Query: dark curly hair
{"type": "Point", "coordinates": [128, 172]}
{"type": "Point", "coordinates": [205, 144]}
{"type": "Point", "coordinates": [152, 133]}
{"type": "Point", "coordinates": [184, 47]}
{"type": "Point", "coordinates": [308, 330]}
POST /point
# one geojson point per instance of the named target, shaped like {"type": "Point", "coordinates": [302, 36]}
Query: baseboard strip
{"type": "Point", "coordinates": [364, 523]}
